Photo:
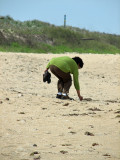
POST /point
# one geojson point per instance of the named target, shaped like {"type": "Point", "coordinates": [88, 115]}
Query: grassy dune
{"type": "Point", "coordinates": [40, 37]}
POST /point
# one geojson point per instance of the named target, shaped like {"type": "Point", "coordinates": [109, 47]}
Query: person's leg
{"type": "Point", "coordinates": [60, 83]}
{"type": "Point", "coordinates": [65, 80]}
{"type": "Point", "coordinates": [67, 84]}
{"type": "Point", "coordinates": [60, 86]}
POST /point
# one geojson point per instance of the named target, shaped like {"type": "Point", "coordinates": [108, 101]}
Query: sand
{"type": "Point", "coordinates": [35, 125]}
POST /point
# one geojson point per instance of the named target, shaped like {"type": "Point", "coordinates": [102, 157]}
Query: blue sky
{"type": "Point", "coordinates": [93, 15]}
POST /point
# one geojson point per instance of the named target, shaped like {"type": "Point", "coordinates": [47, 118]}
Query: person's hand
{"type": "Point", "coordinates": [46, 70]}
{"type": "Point", "coordinates": [78, 93]}
{"type": "Point", "coordinates": [81, 98]}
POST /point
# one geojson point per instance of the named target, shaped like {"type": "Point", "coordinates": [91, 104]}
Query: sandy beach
{"type": "Point", "coordinates": [34, 125]}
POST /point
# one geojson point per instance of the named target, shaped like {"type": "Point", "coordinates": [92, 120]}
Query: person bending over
{"type": "Point", "coordinates": [62, 67]}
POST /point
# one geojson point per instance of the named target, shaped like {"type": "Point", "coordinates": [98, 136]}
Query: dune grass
{"type": "Point", "coordinates": [40, 37]}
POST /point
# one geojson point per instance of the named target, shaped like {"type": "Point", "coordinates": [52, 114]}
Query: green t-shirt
{"type": "Point", "coordinates": [67, 65]}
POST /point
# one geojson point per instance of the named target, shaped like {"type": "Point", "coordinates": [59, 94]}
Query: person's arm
{"type": "Point", "coordinates": [47, 67]}
{"type": "Point", "coordinates": [78, 93]}
{"type": "Point", "coordinates": [76, 84]}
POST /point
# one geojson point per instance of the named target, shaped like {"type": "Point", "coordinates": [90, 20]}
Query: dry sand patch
{"type": "Point", "coordinates": [36, 125]}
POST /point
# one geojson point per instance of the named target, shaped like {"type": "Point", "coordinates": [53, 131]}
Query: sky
{"type": "Point", "coordinates": [93, 15]}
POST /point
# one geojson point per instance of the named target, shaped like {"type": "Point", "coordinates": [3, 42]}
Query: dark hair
{"type": "Point", "coordinates": [79, 61]}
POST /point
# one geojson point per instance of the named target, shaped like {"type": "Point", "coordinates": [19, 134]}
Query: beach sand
{"type": "Point", "coordinates": [35, 125]}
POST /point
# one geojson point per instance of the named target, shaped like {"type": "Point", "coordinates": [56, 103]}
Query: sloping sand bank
{"type": "Point", "coordinates": [35, 125]}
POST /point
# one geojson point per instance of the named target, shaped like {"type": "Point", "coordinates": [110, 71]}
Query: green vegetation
{"type": "Point", "coordinates": [39, 37]}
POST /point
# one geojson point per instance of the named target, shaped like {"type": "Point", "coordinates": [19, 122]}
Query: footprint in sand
{"type": "Point", "coordinates": [95, 109]}
{"type": "Point", "coordinates": [1, 102]}
{"type": "Point", "coordinates": [33, 153]}
{"type": "Point", "coordinates": [7, 99]}
{"type": "Point", "coordinates": [117, 112]}
{"type": "Point", "coordinates": [66, 104]}
{"type": "Point", "coordinates": [63, 152]}
{"type": "Point", "coordinates": [34, 145]}
{"type": "Point", "coordinates": [107, 155]}
{"type": "Point", "coordinates": [66, 144]}
{"type": "Point", "coordinates": [44, 108]}
{"type": "Point", "coordinates": [87, 99]}
{"type": "Point", "coordinates": [21, 113]}
{"type": "Point", "coordinates": [72, 132]}
{"type": "Point", "coordinates": [118, 116]}
{"type": "Point", "coordinates": [95, 144]}
{"type": "Point", "coordinates": [89, 133]}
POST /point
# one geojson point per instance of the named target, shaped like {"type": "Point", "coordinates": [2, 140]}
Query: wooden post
{"type": "Point", "coordinates": [64, 20]}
